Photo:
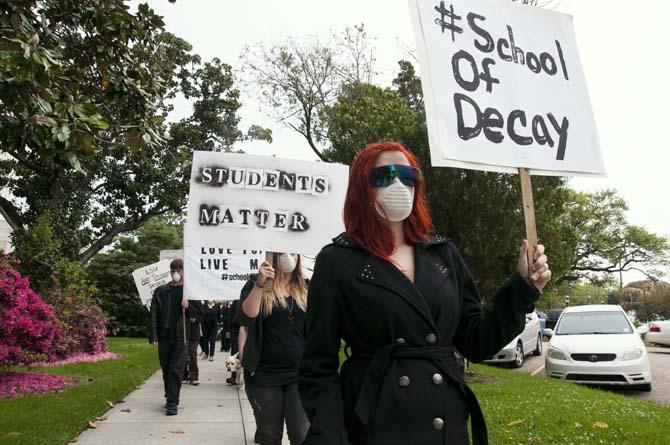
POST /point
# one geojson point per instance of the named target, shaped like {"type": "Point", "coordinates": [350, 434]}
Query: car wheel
{"type": "Point", "coordinates": [520, 356]}
{"type": "Point", "coordinates": [538, 348]}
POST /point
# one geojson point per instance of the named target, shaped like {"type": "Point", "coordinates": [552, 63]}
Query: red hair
{"type": "Point", "coordinates": [361, 220]}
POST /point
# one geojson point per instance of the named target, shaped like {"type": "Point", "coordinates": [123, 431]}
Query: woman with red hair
{"type": "Point", "coordinates": [404, 302]}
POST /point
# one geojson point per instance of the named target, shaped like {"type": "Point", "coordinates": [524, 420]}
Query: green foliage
{"type": "Point", "coordinates": [606, 243]}
{"type": "Point", "coordinates": [112, 274]}
{"type": "Point", "coordinates": [85, 90]}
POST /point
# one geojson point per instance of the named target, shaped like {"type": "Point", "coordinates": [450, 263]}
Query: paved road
{"type": "Point", "coordinates": [659, 361]}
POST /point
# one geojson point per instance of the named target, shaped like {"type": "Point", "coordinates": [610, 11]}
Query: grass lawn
{"type": "Point", "coordinates": [55, 418]}
{"type": "Point", "coordinates": [520, 409]}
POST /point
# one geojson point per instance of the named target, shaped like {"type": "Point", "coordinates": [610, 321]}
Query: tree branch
{"type": "Point", "coordinates": [11, 214]}
{"type": "Point", "coordinates": [108, 237]}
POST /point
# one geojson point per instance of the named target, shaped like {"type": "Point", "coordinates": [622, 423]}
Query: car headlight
{"type": "Point", "coordinates": [556, 354]}
{"type": "Point", "coordinates": [632, 354]}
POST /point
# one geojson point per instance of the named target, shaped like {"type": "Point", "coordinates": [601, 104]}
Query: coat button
{"type": "Point", "coordinates": [403, 381]}
{"type": "Point", "coordinates": [438, 379]}
{"type": "Point", "coordinates": [431, 338]}
{"type": "Point", "coordinates": [438, 423]}
{"type": "Point", "coordinates": [400, 340]}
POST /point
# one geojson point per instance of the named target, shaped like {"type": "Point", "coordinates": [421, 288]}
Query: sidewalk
{"type": "Point", "coordinates": [212, 413]}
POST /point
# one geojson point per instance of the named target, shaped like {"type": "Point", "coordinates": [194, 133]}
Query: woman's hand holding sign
{"type": "Point", "coordinates": [266, 272]}
{"type": "Point", "coordinates": [540, 274]}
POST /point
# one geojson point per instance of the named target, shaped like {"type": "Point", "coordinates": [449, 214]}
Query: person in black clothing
{"type": "Point", "coordinates": [168, 333]}
{"type": "Point", "coordinates": [209, 328]}
{"type": "Point", "coordinates": [193, 332]}
{"type": "Point", "coordinates": [404, 302]}
{"type": "Point", "coordinates": [234, 329]}
{"type": "Point", "coordinates": [223, 320]}
{"type": "Point", "coordinates": [275, 325]}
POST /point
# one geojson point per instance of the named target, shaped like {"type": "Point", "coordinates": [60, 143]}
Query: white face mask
{"type": "Point", "coordinates": [176, 277]}
{"type": "Point", "coordinates": [395, 201]}
{"type": "Point", "coordinates": [287, 262]}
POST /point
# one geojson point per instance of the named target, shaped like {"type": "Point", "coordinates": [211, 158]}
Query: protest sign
{"type": "Point", "coordinates": [149, 277]}
{"type": "Point", "coordinates": [171, 254]}
{"type": "Point", "coordinates": [246, 205]}
{"type": "Point", "coordinates": [504, 88]}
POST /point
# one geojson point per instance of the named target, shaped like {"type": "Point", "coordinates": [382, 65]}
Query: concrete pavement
{"type": "Point", "coordinates": [212, 413]}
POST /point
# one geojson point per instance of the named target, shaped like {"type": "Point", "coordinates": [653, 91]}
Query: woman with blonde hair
{"type": "Point", "coordinates": [275, 324]}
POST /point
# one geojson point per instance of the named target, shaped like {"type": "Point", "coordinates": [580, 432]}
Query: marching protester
{"type": "Point", "coordinates": [403, 301]}
{"type": "Point", "coordinates": [194, 314]}
{"type": "Point", "coordinates": [167, 328]}
{"type": "Point", "coordinates": [234, 329]}
{"type": "Point", "coordinates": [210, 326]}
{"type": "Point", "coordinates": [275, 323]}
{"type": "Point", "coordinates": [223, 320]}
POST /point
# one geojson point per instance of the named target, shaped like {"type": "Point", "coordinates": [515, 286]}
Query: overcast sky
{"type": "Point", "coordinates": [623, 48]}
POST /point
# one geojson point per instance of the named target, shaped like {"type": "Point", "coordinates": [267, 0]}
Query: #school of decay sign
{"type": "Point", "coordinates": [242, 205]}
{"type": "Point", "coordinates": [504, 88]}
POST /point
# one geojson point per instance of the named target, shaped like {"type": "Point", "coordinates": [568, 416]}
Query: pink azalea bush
{"type": "Point", "coordinates": [28, 326]}
{"type": "Point", "coordinates": [18, 384]}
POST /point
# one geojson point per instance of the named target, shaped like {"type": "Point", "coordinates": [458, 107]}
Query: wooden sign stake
{"type": "Point", "coordinates": [268, 282]}
{"type": "Point", "coordinates": [529, 214]}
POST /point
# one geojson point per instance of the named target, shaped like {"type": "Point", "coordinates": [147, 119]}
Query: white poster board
{"type": "Point", "coordinates": [504, 88]}
{"type": "Point", "coordinates": [242, 205]}
{"type": "Point", "coordinates": [171, 254]}
{"type": "Point", "coordinates": [150, 277]}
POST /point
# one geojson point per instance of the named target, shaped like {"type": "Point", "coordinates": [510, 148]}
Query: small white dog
{"type": "Point", "coordinates": [233, 364]}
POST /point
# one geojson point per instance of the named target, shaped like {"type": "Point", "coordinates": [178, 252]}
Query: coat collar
{"type": "Point", "coordinates": [429, 274]}
{"type": "Point", "coordinates": [344, 240]}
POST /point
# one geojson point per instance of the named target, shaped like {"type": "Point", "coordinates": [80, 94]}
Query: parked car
{"type": "Point", "coordinates": [528, 342]}
{"type": "Point", "coordinates": [552, 318]}
{"type": "Point", "coordinates": [542, 317]}
{"type": "Point", "coordinates": [659, 333]}
{"type": "Point", "coordinates": [597, 344]}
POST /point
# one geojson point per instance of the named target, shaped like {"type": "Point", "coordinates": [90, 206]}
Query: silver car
{"type": "Point", "coordinates": [528, 342]}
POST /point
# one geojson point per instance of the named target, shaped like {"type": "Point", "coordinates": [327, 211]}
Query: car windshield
{"type": "Point", "coordinates": [576, 323]}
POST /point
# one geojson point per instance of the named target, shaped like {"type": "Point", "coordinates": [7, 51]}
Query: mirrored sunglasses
{"type": "Point", "coordinates": [385, 175]}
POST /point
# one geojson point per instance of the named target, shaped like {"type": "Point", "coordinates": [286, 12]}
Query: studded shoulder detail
{"type": "Point", "coordinates": [438, 239]}
{"type": "Point", "coordinates": [344, 240]}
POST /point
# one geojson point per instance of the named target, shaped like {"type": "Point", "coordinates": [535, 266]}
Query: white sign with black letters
{"type": "Point", "coordinates": [148, 278]}
{"type": "Point", "coordinates": [260, 203]}
{"type": "Point", "coordinates": [504, 88]}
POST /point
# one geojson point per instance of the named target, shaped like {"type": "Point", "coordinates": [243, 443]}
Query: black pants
{"type": "Point", "coordinates": [209, 340]}
{"type": "Point", "coordinates": [274, 404]}
{"type": "Point", "coordinates": [191, 370]}
{"type": "Point", "coordinates": [172, 357]}
{"type": "Point", "coordinates": [225, 342]}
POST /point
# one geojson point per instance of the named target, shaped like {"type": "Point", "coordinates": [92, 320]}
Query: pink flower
{"type": "Point", "coordinates": [19, 384]}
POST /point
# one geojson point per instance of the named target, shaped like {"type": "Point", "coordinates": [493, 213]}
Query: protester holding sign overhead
{"type": "Point", "coordinates": [404, 302]}
{"type": "Point", "coordinates": [275, 322]}
{"type": "Point", "coordinates": [167, 329]}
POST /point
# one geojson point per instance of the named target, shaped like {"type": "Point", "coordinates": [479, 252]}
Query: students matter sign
{"type": "Point", "coordinates": [504, 88]}
{"type": "Point", "coordinates": [242, 205]}
{"type": "Point", "coordinates": [148, 278]}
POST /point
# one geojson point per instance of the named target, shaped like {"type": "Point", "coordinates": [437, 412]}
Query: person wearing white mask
{"type": "Point", "coordinates": [168, 332]}
{"type": "Point", "coordinates": [275, 323]}
{"type": "Point", "coordinates": [403, 301]}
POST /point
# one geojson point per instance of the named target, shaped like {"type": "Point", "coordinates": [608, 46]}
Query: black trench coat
{"type": "Point", "coordinates": [401, 384]}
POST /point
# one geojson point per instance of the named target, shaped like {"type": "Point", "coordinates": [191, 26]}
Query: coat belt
{"type": "Point", "coordinates": [441, 356]}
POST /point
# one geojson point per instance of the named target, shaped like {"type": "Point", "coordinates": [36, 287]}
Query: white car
{"type": "Point", "coordinates": [529, 341]}
{"type": "Point", "coordinates": [597, 344]}
{"type": "Point", "coordinates": [658, 333]}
